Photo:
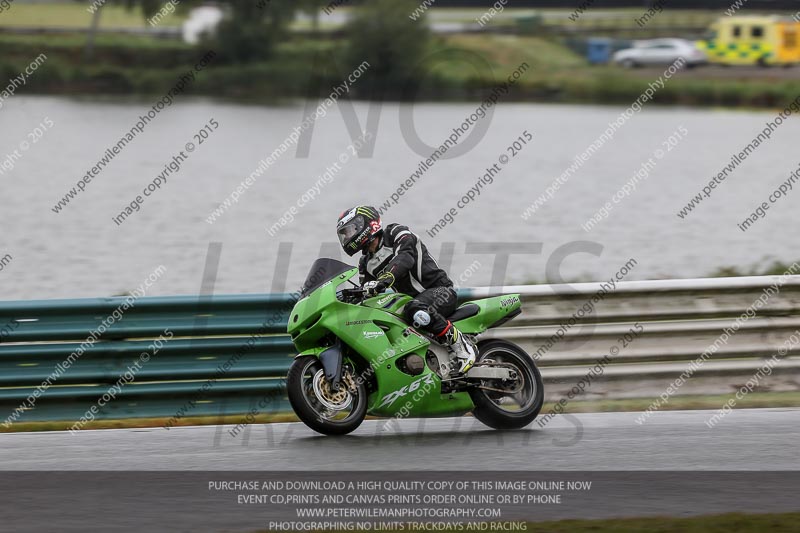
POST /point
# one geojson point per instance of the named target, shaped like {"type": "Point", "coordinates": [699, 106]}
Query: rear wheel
{"type": "Point", "coordinates": [320, 407]}
{"type": "Point", "coordinates": [511, 405]}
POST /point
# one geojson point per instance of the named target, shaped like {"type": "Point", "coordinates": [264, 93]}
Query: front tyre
{"type": "Point", "coordinates": [508, 405]}
{"type": "Point", "coordinates": [317, 405]}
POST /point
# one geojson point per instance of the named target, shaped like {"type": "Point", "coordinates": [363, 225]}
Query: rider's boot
{"type": "Point", "coordinates": [461, 347]}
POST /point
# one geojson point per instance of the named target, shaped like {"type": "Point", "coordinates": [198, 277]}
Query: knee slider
{"type": "Point", "coordinates": [421, 318]}
{"type": "Point", "coordinates": [410, 309]}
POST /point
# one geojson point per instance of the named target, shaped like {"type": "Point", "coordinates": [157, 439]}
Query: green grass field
{"type": "Point", "coordinates": [726, 523]}
{"type": "Point", "coordinates": [463, 66]}
{"type": "Point", "coordinates": [115, 16]}
{"type": "Point", "coordinates": [76, 15]}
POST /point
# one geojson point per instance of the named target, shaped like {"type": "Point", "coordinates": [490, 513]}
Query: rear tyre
{"type": "Point", "coordinates": [519, 406]}
{"type": "Point", "coordinates": [323, 410]}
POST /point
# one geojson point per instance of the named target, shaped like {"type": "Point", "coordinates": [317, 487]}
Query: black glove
{"type": "Point", "coordinates": [376, 287]}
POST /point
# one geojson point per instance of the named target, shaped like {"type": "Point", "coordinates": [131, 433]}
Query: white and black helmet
{"type": "Point", "coordinates": [357, 227]}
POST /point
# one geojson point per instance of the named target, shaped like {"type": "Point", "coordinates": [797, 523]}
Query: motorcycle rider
{"type": "Point", "coordinates": [396, 258]}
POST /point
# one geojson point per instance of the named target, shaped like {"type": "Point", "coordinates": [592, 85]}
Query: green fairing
{"type": "Point", "coordinates": [376, 333]}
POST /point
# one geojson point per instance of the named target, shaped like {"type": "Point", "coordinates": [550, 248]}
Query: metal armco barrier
{"type": "Point", "coordinates": [229, 353]}
{"type": "Point", "coordinates": [679, 319]}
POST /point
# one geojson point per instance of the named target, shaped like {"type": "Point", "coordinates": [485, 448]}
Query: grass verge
{"type": "Point", "coordinates": [725, 523]}
{"type": "Point", "coordinates": [460, 67]}
{"type": "Point", "coordinates": [677, 403]}
{"type": "Point", "coordinates": [754, 400]}
{"type": "Point", "coordinates": [77, 15]}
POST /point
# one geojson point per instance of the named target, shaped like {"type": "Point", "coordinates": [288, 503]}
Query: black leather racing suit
{"type": "Point", "coordinates": [415, 273]}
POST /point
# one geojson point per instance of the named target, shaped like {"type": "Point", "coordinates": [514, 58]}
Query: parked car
{"type": "Point", "coordinates": [660, 52]}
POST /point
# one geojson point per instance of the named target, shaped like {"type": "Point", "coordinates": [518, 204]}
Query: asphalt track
{"type": "Point", "coordinates": [751, 439]}
{"type": "Point", "coordinates": [157, 480]}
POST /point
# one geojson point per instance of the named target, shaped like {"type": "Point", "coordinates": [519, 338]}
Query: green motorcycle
{"type": "Point", "coordinates": [358, 356]}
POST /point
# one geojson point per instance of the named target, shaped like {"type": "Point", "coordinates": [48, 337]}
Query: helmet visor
{"type": "Point", "coordinates": [350, 230]}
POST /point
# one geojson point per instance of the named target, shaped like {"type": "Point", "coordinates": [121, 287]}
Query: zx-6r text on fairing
{"type": "Point", "coordinates": [358, 356]}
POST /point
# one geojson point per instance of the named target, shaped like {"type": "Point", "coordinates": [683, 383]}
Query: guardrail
{"type": "Point", "coordinates": [226, 354]}
{"type": "Point", "coordinates": [679, 319]}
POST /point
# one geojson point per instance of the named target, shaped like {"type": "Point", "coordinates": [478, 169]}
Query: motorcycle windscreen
{"type": "Point", "coordinates": [322, 271]}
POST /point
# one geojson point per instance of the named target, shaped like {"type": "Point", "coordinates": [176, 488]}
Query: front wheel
{"type": "Point", "coordinates": [511, 405]}
{"type": "Point", "coordinates": [319, 407]}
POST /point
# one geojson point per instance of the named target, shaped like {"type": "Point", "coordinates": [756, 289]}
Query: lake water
{"type": "Point", "coordinates": [81, 252]}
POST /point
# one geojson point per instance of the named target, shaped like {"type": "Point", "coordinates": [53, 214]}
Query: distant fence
{"type": "Point", "coordinates": [166, 32]}
{"type": "Point", "coordinates": [227, 353]}
{"type": "Point", "coordinates": [764, 5]}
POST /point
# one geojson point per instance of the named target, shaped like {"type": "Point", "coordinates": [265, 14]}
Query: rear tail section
{"type": "Point", "coordinates": [479, 315]}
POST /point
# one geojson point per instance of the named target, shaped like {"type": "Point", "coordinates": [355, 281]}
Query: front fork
{"type": "Point", "coordinates": [331, 359]}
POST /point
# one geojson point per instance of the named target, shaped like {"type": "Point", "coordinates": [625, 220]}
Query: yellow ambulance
{"type": "Point", "coordinates": [754, 40]}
